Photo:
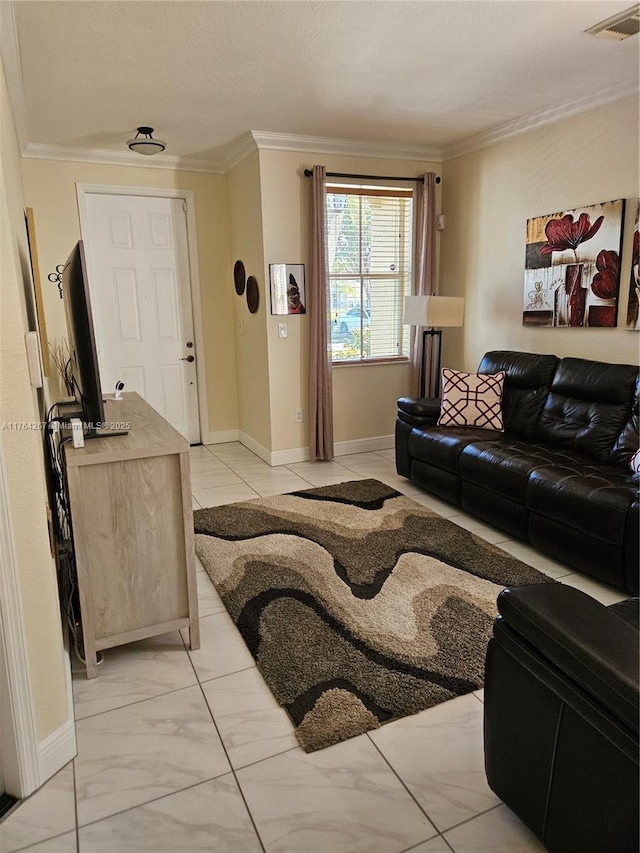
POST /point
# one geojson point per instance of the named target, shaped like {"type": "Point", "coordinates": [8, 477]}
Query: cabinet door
{"type": "Point", "coordinates": [129, 537]}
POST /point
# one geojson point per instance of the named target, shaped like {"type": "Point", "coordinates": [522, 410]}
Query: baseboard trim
{"type": "Point", "coordinates": [302, 454]}
{"type": "Point", "coordinates": [341, 448]}
{"type": "Point", "coordinates": [288, 457]}
{"type": "Point", "coordinates": [221, 436]}
{"type": "Point", "coordinates": [255, 446]}
{"type": "Point", "coordinates": [57, 749]}
{"type": "Point", "coordinates": [364, 445]}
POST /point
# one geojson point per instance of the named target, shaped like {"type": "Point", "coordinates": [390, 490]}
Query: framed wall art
{"type": "Point", "coordinates": [37, 288]}
{"type": "Point", "coordinates": [287, 289]}
{"type": "Point", "coordinates": [572, 267]}
{"type": "Point", "coordinates": [633, 305]}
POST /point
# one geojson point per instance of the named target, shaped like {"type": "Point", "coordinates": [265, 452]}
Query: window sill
{"type": "Point", "coordinates": [371, 362]}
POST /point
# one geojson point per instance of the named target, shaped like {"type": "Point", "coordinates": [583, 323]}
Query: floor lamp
{"type": "Point", "coordinates": [429, 312]}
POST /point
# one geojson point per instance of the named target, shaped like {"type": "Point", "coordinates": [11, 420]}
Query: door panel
{"type": "Point", "coordinates": [164, 284]}
{"type": "Point", "coordinates": [125, 293]}
{"type": "Point", "coordinates": [137, 254]}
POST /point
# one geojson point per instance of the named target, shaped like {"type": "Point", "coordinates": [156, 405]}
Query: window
{"type": "Point", "coordinates": [369, 242]}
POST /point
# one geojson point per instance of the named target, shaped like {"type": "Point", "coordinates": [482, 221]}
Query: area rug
{"type": "Point", "coordinates": [359, 605]}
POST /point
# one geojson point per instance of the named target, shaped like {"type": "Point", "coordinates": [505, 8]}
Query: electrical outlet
{"type": "Point", "coordinates": [298, 416]}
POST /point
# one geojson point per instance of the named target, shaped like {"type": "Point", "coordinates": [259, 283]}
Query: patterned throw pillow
{"type": "Point", "coordinates": [472, 399]}
{"type": "Point", "coordinates": [635, 462]}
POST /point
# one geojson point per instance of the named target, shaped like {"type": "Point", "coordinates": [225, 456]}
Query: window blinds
{"type": "Point", "coordinates": [369, 241]}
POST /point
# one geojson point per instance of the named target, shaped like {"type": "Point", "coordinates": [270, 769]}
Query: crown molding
{"type": "Point", "coordinates": [36, 151]}
{"type": "Point", "coordinates": [239, 150]}
{"type": "Point", "coordinates": [249, 142]}
{"type": "Point", "coordinates": [541, 119]}
{"type": "Point", "coordinates": [354, 148]}
{"type": "Point", "coordinates": [10, 53]}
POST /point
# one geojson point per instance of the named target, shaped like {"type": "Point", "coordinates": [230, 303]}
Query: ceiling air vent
{"type": "Point", "coordinates": [620, 26]}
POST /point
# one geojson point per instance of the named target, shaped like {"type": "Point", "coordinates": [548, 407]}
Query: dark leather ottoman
{"type": "Point", "coordinates": [561, 717]}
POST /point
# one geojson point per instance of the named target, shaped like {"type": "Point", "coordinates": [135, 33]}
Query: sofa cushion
{"type": "Point", "coordinates": [472, 400]}
{"type": "Point", "coordinates": [587, 407]}
{"type": "Point", "coordinates": [526, 386]}
{"type": "Point", "coordinates": [442, 446]}
{"type": "Point", "coordinates": [592, 499]}
{"type": "Point", "coordinates": [505, 468]}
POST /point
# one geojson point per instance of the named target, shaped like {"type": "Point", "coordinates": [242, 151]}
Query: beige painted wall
{"type": "Point", "coordinates": [22, 450]}
{"type": "Point", "coordinates": [364, 396]}
{"type": "Point", "coordinates": [285, 201]}
{"type": "Point", "coordinates": [50, 189]}
{"type": "Point", "coordinates": [488, 197]}
{"type": "Point", "coordinates": [245, 228]}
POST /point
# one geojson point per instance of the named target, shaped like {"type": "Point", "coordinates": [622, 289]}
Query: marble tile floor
{"type": "Point", "coordinates": [182, 751]}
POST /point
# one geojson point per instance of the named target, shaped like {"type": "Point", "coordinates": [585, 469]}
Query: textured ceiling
{"type": "Point", "coordinates": [426, 74]}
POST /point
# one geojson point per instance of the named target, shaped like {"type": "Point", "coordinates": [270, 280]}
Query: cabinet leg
{"type": "Point", "coordinates": [91, 659]}
{"type": "Point", "coordinates": [194, 634]}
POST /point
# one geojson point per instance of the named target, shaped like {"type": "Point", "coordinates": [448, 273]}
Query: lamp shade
{"type": "Point", "coordinates": [433, 310]}
{"type": "Point", "coordinates": [144, 143]}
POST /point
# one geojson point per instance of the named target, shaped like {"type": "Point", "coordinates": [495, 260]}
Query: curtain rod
{"type": "Point", "coordinates": [308, 173]}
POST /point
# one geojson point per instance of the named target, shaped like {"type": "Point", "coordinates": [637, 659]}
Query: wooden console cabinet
{"type": "Point", "coordinates": [132, 520]}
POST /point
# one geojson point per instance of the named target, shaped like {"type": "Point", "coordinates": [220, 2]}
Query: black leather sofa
{"type": "Point", "coordinates": [558, 476]}
{"type": "Point", "coordinates": [561, 717]}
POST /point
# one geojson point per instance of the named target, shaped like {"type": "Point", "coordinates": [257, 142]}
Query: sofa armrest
{"type": "Point", "coordinates": [419, 411]}
{"type": "Point", "coordinates": [581, 637]}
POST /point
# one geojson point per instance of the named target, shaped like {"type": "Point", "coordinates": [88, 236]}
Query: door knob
{"type": "Point", "coordinates": [189, 358]}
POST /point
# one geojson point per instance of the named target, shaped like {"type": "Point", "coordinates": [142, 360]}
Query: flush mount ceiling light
{"type": "Point", "coordinates": [144, 143]}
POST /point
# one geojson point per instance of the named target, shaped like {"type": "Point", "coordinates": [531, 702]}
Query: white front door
{"type": "Point", "coordinates": [138, 268]}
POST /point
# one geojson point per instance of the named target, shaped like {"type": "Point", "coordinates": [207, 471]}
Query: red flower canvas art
{"type": "Point", "coordinates": [606, 281]}
{"type": "Point", "coordinates": [633, 305]}
{"type": "Point", "coordinates": [572, 267]}
{"type": "Point", "coordinates": [565, 234]}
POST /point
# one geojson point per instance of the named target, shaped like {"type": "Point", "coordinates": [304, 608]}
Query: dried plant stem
{"type": "Point", "coordinates": [61, 358]}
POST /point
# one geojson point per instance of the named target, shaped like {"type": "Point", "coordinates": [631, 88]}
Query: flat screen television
{"type": "Point", "coordinates": [82, 342]}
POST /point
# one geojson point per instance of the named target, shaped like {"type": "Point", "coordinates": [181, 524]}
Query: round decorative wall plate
{"type": "Point", "coordinates": [253, 294]}
{"type": "Point", "coordinates": [239, 278]}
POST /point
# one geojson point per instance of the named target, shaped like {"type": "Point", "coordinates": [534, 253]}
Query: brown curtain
{"type": "Point", "coordinates": [425, 264]}
{"type": "Point", "coordinates": [320, 380]}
